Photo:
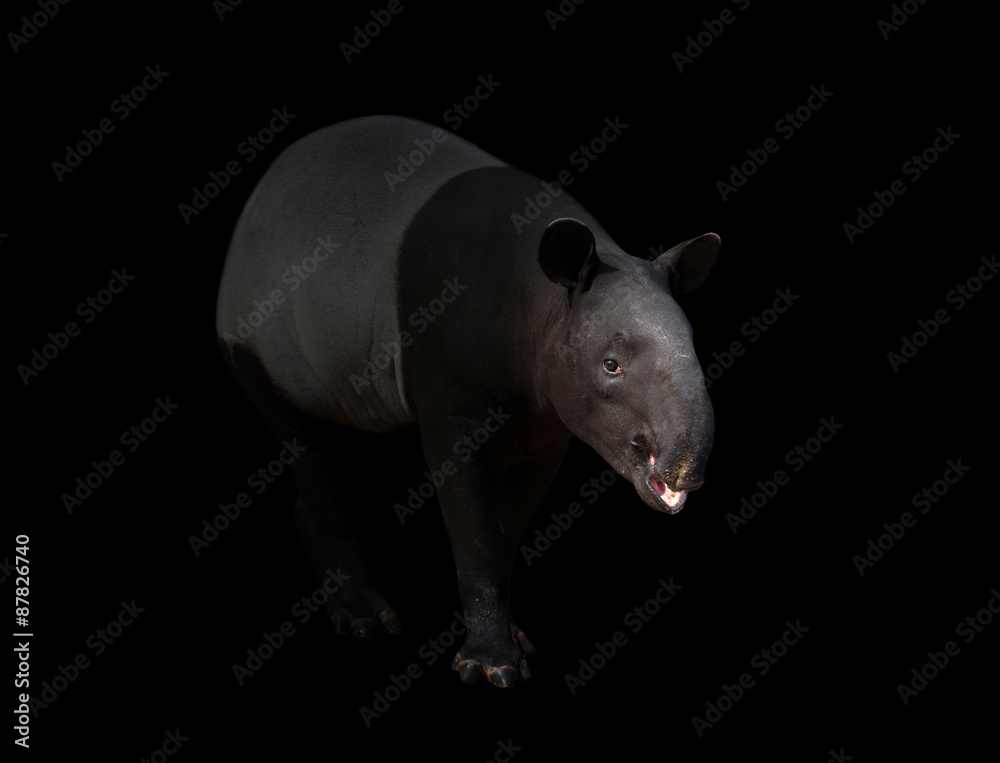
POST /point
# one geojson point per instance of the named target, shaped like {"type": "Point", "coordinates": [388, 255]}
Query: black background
{"type": "Point", "coordinates": [655, 185]}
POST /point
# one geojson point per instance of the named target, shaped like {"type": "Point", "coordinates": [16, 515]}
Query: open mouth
{"type": "Point", "coordinates": [672, 500]}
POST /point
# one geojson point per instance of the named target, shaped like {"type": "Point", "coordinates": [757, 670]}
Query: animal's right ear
{"type": "Point", "coordinates": [689, 264]}
{"type": "Point", "coordinates": [568, 254]}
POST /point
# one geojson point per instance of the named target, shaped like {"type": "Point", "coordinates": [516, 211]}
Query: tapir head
{"type": "Point", "coordinates": [621, 369]}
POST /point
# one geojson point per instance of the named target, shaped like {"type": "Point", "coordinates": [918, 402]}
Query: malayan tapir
{"type": "Point", "coordinates": [386, 274]}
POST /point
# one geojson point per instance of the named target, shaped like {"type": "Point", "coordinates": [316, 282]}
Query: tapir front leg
{"type": "Point", "coordinates": [522, 488]}
{"type": "Point", "coordinates": [472, 505]}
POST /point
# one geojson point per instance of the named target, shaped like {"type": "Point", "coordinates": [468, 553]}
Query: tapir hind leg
{"type": "Point", "coordinates": [328, 474]}
{"type": "Point", "coordinates": [330, 530]}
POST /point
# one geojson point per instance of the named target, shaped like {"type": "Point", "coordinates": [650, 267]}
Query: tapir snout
{"type": "Point", "coordinates": [674, 471]}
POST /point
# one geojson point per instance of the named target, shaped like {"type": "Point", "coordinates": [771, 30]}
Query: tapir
{"type": "Point", "coordinates": [386, 275]}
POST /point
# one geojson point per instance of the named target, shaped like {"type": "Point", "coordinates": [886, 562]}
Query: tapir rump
{"type": "Point", "coordinates": [381, 278]}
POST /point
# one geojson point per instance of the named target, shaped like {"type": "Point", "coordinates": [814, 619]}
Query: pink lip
{"type": "Point", "coordinates": [672, 499]}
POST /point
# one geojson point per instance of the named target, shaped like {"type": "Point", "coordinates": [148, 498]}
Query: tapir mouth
{"type": "Point", "coordinates": [671, 501]}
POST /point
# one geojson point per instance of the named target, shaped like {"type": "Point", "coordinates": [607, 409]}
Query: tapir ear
{"type": "Point", "coordinates": [689, 264]}
{"type": "Point", "coordinates": [567, 253]}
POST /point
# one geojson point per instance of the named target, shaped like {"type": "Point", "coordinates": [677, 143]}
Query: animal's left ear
{"type": "Point", "coordinates": [689, 264]}
{"type": "Point", "coordinates": [567, 254]}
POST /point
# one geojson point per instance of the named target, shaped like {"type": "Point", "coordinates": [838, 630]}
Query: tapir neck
{"type": "Point", "coordinates": [499, 335]}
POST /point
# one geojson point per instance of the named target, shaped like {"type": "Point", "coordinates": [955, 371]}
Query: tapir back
{"type": "Point", "coordinates": [309, 288]}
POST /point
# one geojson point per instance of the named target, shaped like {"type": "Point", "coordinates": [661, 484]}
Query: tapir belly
{"type": "Point", "coordinates": [310, 284]}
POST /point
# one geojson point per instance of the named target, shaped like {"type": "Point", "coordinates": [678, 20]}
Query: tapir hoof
{"type": "Point", "coordinates": [503, 667]}
{"type": "Point", "coordinates": [349, 620]}
{"type": "Point", "coordinates": [504, 676]}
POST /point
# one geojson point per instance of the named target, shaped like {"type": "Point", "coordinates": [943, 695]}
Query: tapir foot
{"type": "Point", "coordinates": [502, 665]}
{"type": "Point", "coordinates": [364, 622]}
{"type": "Point", "coordinates": [354, 605]}
{"type": "Point", "coordinates": [362, 611]}
{"type": "Point", "coordinates": [364, 615]}
{"type": "Point", "coordinates": [498, 671]}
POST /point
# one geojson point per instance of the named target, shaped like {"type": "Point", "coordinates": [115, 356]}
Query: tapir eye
{"type": "Point", "coordinates": [611, 366]}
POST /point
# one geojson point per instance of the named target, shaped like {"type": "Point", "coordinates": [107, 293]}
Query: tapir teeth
{"type": "Point", "coordinates": [672, 499]}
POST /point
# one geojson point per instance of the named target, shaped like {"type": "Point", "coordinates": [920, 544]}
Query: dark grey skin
{"type": "Point", "coordinates": [505, 343]}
